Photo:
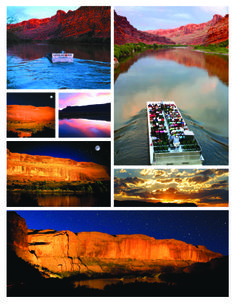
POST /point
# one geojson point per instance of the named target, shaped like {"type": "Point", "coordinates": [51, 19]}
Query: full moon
{"type": "Point", "coordinates": [97, 148]}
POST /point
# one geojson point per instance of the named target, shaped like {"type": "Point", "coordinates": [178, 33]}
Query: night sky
{"type": "Point", "coordinates": [80, 151]}
{"type": "Point", "coordinates": [34, 99]}
{"type": "Point", "coordinates": [208, 228]}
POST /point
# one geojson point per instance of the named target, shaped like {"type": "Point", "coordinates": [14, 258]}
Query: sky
{"type": "Point", "coordinates": [21, 13]}
{"type": "Point", "coordinates": [208, 228]}
{"type": "Point", "coordinates": [80, 151]}
{"type": "Point", "coordinates": [205, 188]}
{"type": "Point", "coordinates": [166, 17]}
{"type": "Point", "coordinates": [82, 99]}
{"type": "Point", "coordinates": [34, 99]}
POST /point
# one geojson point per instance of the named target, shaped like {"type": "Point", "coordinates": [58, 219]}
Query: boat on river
{"type": "Point", "coordinates": [60, 57]}
{"type": "Point", "coordinates": [170, 140]}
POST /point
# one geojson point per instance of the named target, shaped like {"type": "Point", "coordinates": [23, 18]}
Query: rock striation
{"type": "Point", "coordinates": [213, 31]}
{"type": "Point", "coordinates": [218, 32]}
{"type": "Point", "coordinates": [30, 113]}
{"type": "Point", "coordinates": [64, 253]}
{"type": "Point", "coordinates": [90, 22]}
{"type": "Point", "coordinates": [36, 168]}
{"type": "Point", "coordinates": [124, 32]}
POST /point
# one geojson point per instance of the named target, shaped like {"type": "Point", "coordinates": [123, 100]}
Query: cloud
{"type": "Point", "coordinates": [221, 10]}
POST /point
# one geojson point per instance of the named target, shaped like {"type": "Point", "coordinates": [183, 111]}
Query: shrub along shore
{"type": "Point", "coordinates": [126, 50]}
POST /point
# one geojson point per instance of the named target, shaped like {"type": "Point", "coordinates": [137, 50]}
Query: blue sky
{"type": "Point", "coordinates": [21, 13]}
{"type": "Point", "coordinates": [166, 17]}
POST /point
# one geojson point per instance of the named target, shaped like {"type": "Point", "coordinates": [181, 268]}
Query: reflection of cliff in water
{"type": "Point", "coordinates": [32, 51]}
{"type": "Point", "coordinates": [215, 65]}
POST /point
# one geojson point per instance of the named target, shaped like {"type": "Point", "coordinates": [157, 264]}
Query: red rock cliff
{"type": "Point", "coordinates": [63, 251]}
{"type": "Point", "coordinates": [47, 168]}
{"type": "Point", "coordinates": [213, 31]}
{"type": "Point", "coordinates": [90, 20]}
{"type": "Point", "coordinates": [30, 113]}
{"type": "Point", "coordinates": [124, 32]}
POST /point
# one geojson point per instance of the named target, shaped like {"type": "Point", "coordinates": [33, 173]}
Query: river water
{"type": "Point", "coordinates": [84, 128]}
{"type": "Point", "coordinates": [29, 68]}
{"type": "Point", "coordinates": [197, 82]}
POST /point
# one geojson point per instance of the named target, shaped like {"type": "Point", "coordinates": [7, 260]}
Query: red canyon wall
{"type": "Point", "coordinates": [213, 31]}
{"type": "Point", "coordinates": [124, 32]}
{"type": "Point", "coordinates": [30, 113]}
{"type": "Point", "coordinates": [92, 20]}
{"type": "Point", "coordinates": [64, 251]}
{"type": "Point", "coordinates": [33, 167]}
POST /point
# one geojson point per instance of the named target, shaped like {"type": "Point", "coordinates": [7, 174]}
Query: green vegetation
{"type": "Point", "coordinates": [97, 187]}
{"type": "Point", "coordinates": [214, 48]}
{"type": "Point", "coordinates": [128, 49]}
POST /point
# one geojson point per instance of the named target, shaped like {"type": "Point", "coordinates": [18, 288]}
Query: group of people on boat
{"type": "Point", "coordinates": [176, 126]}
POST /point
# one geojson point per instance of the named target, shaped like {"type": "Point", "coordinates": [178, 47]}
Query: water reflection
{"type": "Point", "coordinates": [32, 51]}
{"type": "Point", "coordinates": [196, 81]}
{"type": "Point", "coordinates": [84, 128]}
{"type": "Point", "coordinates": [28, 199]}
{"type": "Point", "coordinates": [215, 65]}
{"type": "Point", "coordinates": [28, 67]}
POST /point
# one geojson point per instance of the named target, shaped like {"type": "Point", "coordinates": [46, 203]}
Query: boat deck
{"type": "Point", "coordinates": [170, 140]}
{"type": "Point", "coordinates": [60, 57]}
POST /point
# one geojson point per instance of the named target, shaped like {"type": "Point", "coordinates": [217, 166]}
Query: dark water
{"type": "Point", "coordinates": [197, 82]}
{"type": "Point", "coordinates": [84, 128]}
{"type": "Point", "coordinates": [29, 68]}
{"type": "Point", "coordinates": [101, 283]}
{"type": "Point", "coordinates": [24, 199]}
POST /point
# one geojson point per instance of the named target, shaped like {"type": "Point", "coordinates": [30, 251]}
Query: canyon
{"type": "Point", "coordinates": [64, 253]}
{"type": "Point", "coordinates": [124, 32]}
{"type": "Point", "coordinates": [213, 31]}
{"type": "Point", "coordinates": [87, 23]}
{"type": "Point", "coordinates": [25, 167]}
{"type": "Point", "coordinates": [28, 120]}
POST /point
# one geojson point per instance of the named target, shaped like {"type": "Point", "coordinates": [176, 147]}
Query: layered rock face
{"type": "Point", "coordinates": [213, 31]}
{"type": "Point", "coordinates": [60, 252]}
{"type": "Point", "coordinates": [124, 32]}
{"type": "Point", "coordinates": [36, 168]}
{"type": "Point", "coordinates": [88, 20]}
{"type": "Point", "coordinates": [218, 32]}
{"type": "Point", "coordinates": [30, 113]}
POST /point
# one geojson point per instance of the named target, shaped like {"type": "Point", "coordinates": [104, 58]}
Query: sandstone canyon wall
{"type": "Point", "coordinates": [30, 113]}
{"type": "Point", "coordinates": [213, 31]}
{"type": "Point", "coordinates": [124, 32]}
{"type": "Point", "coordinates": [60, 252]}
{"type": "Point", "coordinates": [92, 21]}
{"type": "Point", "coordinates": [34, 167]}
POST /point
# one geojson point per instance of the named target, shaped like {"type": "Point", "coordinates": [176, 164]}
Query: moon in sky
{"type": "Point", "coordinates": [97, 148]}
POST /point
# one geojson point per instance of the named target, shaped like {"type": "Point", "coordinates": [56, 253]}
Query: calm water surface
{"type": "Point", "coordinates": [84, 128]}
{"type": "Point", "coordinates": [29, 68]}
{"type": "Point", "coordinates": [196, 81]}
{"type": "Point", "coordinates": [24, 199]}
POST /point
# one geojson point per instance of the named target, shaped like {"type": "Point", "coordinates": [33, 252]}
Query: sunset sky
{"type": "Point", "coordinates": [85, 98]}
{"type": "Point", "coordinates": [166, 17]}
{"type": "Point", "coordinates": [205, 188]}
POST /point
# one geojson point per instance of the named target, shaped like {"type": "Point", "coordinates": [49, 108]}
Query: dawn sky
{"type": "Point", "coordinates": [21, 13]}
{"type": "Point", "coordinates": [85, 98]}
{"type": "Point", "coordinates": [166, 17]}
{"type": "Point", "coordinates": [208, 228]}
{"type": "Point", "coordinates": [208, 187]}
{"type": "Point", "coordinates": [79, 151]}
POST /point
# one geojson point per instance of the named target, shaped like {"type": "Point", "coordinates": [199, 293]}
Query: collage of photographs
{"type": "Point", "coordinates": [117, 151]}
